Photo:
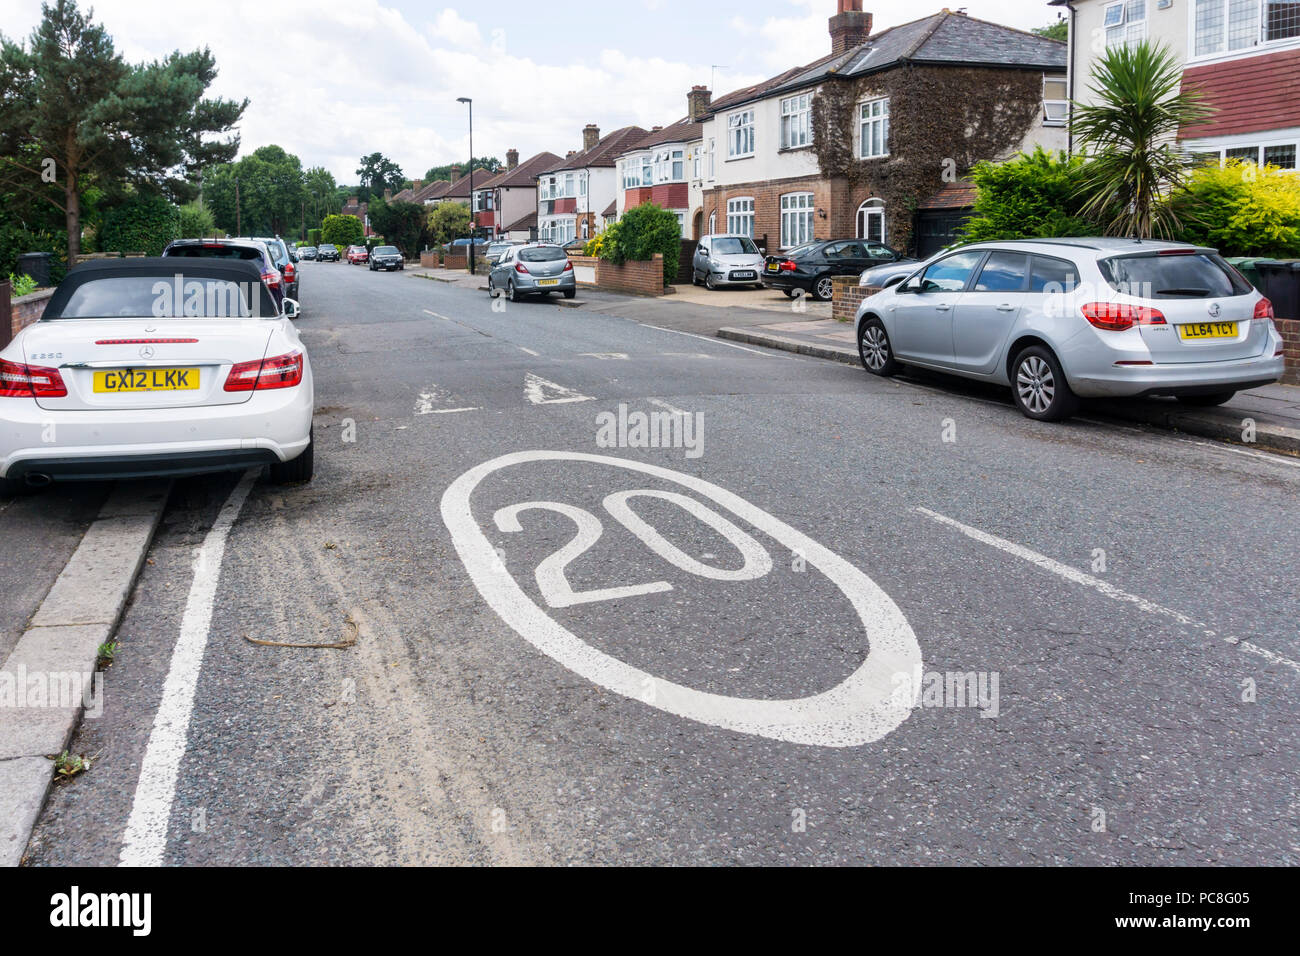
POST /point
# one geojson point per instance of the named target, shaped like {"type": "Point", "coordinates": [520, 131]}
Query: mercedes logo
{"type": "Point", "coordinates": [146, 352]}
{"type": "Point", "coordinates": [1215, 310]}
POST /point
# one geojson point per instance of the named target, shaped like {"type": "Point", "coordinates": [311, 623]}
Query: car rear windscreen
{"type": "Point", "coordinates": [1181, 276]}
{"type": "Point", "coordinates": [247, 253]}
{"type": "Point", "coordinates": [163, 297]}
{"type": "Point", "coordinates": [545, 254]}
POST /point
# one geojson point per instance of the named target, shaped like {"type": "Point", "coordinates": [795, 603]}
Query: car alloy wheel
{"type": "Point", "coordinates": [873, 348]}
{"type": "Point", "coordinates": [1039, 386]}
{"type": "Point", "coordinates": [511, 291]}
{"type": "Point", "coordinates": [824, 289]}
{"type": "Point", "coordinates": [1036, 384]}
{"type": "Point", "coordinates": [709, 283]}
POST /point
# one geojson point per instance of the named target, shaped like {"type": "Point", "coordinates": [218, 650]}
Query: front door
{"type": "Point", "coordinates": [922, 313]}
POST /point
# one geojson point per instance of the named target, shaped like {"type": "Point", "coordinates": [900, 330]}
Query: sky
{"type": "Point", "coordinates": [333, 80]}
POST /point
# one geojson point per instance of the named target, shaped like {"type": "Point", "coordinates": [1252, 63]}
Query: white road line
{"type": "Point", "coordinates": [607, 356]}
{"type": "Point", "coordinates": [146, 829]}
{"type": "Point", "coordinates": [537, 389]}
{"type": "Point", "coordinates": [453, 411]}
{"type": "Point", "coordinates": [664, 405]}
{"type": "Point", "coordinates": [530, 352]}
{"type": "Point", "coordinates": [1259, 455]}
{"type": "Point", "coordinates": [1103, 587]}
{"type": "Point", "coordinates": [715, 341]}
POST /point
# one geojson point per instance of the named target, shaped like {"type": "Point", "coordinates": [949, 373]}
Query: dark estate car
{"type": "Point", "coordinates": [250, 250]}
{"type": "Point", "coordinates": [327, 253]}
{"type": "Point", "coordinates": [307, 252]}
{"type": "Point", "coordinates": [812, 266]}
{"type": "Point", "coordinates": [388, 258]}
{"type": "Point", "coordinates": [286, 262]}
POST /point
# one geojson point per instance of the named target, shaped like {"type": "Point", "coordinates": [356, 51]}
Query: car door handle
{"type": "Point", "coordinates": [943, 308]}
{"type": "Point", "coordinates": [1006, 308]}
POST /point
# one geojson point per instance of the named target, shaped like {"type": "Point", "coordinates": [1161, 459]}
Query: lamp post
{"type": "Point", "coordinates": [470, 103]}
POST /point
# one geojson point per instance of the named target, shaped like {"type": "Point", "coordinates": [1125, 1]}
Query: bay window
{"type": "Point", "coordinates": [1227, 26]}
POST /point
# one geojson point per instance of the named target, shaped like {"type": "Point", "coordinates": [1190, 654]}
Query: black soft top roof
{"type": "Point", "coordinates": [224, 270]}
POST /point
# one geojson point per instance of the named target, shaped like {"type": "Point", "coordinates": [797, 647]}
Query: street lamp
{"type": "Point", "coordinates": [470, 103]}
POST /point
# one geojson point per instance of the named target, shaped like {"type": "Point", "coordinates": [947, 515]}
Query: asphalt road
{"type": "Point", "coordinates": [1127, 602]}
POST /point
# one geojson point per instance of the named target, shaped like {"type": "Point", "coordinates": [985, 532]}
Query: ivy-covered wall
{"type": "Point", "coordinates": [942, 121]}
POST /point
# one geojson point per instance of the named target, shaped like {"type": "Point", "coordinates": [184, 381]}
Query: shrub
{"type": "Point", "coordinates": [143, 223]}
{"type": "Point", "coordinates": [197, 221]}
{"type": "Point", "coordinates": [640, 234]}
{"type": "Point", "coordinates": [1035, 195]}
{"type": "Point", "coordinates": [1242, 210]}
{"type": "Point", "coordinates": [594, 246]}
{"type": "Point", "coordinates": [313, 237]}
{"type": "Point", "coordinates": [22, 285]}
{"type": "Point", "coordinates": [448, 221]}
{"type": "Point", "coordinates": [342, 231]}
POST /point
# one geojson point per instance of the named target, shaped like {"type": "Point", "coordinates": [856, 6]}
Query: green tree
{"type": "Point", "coordinates": [342, 231]}
{"type": "Point", "coordinates": [197, 221]}
{"type": "Point", "coordinates": [401, 223]}
{"type": "Point", "coordinates": [1035, 195]}
{"type": "Point", "coordinates": [1129, 132]}
{"type": "Point", "coordinates": [1060, 30]}
{"type": "Point", "coordinates": [144, 223]}
{"type": "Point", "coordinates": [488, 164]}
{"type": "Point", "coordinates": [270, 196]}
{"type": "Point", "coordinates": [96, 120]}
{"type": "Point", "coordinates": [642, 232]}
{"type": "Point", "coordinates": [321, 195]}
{"type": "Point", "coordinates": [448, 221]}
{"type": "Point", "coordinates": [377, 173]}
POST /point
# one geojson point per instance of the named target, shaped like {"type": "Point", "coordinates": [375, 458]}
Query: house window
{"type": "Point", "coordinates": [740, 134]}
{"type": "Point", "coordinates": [1056, 101]}
{"type": "Point", "coordinates": [696, 157]}
{"type": "Point", "coordinates": [874, 129]}
{"type": "Point", "coordinates": [679, 166]}
{"type": "Point", "coordinates": [797, 214]}
{"type": "Point", "coordinates": [568, 185]}
{"type": "Point", "coordinates": [796, 121]}
{"type": "Point", "coordinates": [681, 223]}
{"type": "Point", "coordinates": [1226, 26]}
{"type": "Point", "coordinates": [1126, 22]}
{"type": "Point", "coordinates": [740, 217]}
{"type": "Point", "coordinates": [1283, 156]}
{"type": "Point", "coordinates": [647, 171]}
{"type": "Point", "coordinates": [713, 163]}
{"type": "Point", "coordinates": [871, 220]}
{"type": "Point", "coordinates": [713, 223]}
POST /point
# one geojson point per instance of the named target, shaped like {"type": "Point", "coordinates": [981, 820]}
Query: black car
{"type": "Point", "coordinates": [811, 267]}
{"type": "Point", "coordinates": [250, 250]}
{"type": "Point", "coordinates": [387, 258]}
{"type": "Point", "coordinates": [287, 263]}
{"type": "Point", "coordinates": [307, 252]}
{"type": "Point", "coordinates": [327, 253]}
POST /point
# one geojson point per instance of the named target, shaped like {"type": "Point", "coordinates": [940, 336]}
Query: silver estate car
{"type": "Point", "coordinates": [727, 260]}
{"type": "Point", "coordinates": [1057, 320]}
{"type": "Point", "coordinates": [535, 269]}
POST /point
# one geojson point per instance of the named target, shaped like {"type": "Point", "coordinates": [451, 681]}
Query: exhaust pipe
{"type": "Point", "coordinates": [38, 480]}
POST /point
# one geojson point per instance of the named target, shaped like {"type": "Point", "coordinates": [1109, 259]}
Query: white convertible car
{"type": "Point", "coordinates": [144, 368]}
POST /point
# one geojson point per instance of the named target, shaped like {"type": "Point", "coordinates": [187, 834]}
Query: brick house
{"type": "Point", "coordinates": [504, 203]}
{"type": "Point", "coordinates": [812, 154]}
{"type": "Point", "coordinates": [1243, 55]}
{"type": "Point", "coordinates": [666, 168]}
{"type": "Point", "coordinates": [574, 192]}
{"type": "Point", "coordinates": [354, 207]}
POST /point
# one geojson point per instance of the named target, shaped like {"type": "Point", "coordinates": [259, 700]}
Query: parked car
{"type": "Point", "coordinates": [1060, 319]}
{"type": "Point", "coordinates": [460, 247]}
{"type": "Point", "coordinates": [811, 267]}
{"type": "Point", "coordinates": [534, 269]}
{"type": "Point", "coordinates": [327, 253]}
{"type": "Point", "coordinates": [495, 250]}
{"type": "Point", "coordinates": [251, 250]}
{"type": "Point", "coordinates": [388, 258]}
{"type": "Point", "coordinates": [882, 277]}
{"type": "Point", "coordinates": [726, 261]}
{"type": "Point", "coordinates": [307, 252]}
{"type": "Point", "coordinates": [166, 367]}
{"type": "Point", "coordinates": [358, 255]}
{"type": "Point", "coordinates": [287, 263]}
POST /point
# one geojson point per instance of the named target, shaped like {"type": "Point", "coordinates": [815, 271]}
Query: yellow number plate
{"type": "Point", "coordinates": [548, 281]}
{"type": "Point", "coordinates": [148, 380]}
{"type": "Point", "coordinates": [1209, 330]}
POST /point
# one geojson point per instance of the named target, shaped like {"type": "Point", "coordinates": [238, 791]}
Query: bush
{"type": "Point", "coordinates": [448, 221]}
{"type": "Point", "coordinates": [144, 223]}
{"type": "Point", "coordinates": [342, 231]}
{"type": "Point", "coordinates": [1036, 195]}
{"type": "Point", "coordinates": [313, 237]}
{"type": "Point", "coordinates": [640, 234]}
{"type": "Point", "coordinates": [197, 221]}
{"type": "Point", "coordinates": [22, 285]}
{"type": "Point", "coordinates": [594, 246]}
{"type": "Point", "coordinates": [1241, 210]}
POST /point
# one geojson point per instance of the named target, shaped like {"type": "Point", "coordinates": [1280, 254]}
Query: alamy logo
{"type": "Point", "coordinates": [669, 429]}
{"type": "Point", "coordinates": [75, 909]}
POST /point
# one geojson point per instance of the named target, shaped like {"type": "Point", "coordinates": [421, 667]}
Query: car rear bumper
{"type": "Point", "coordinates": [567, 281]}
{"type": "Point", "coordinates": [783, 282]}
{"type": "Point", "coordinates": [1180, 379]}
{"type": "Point", "coordinates": [83, 445]}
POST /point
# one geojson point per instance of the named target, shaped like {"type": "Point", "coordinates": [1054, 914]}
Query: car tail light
{"type": "Point", "coordinates": [146, 341]}
{"type": "Point", "coordinates": [1264, 309]}
{"type": "Point", "coordinates": [272, 279]}
{"type": "Point", "coordinates": [283, 371]}
{"type": "Point", "coordinates": [789, 266]}
{"type": "Point", "coordinates": [568, 266]}
{"type": "Point", "coordinates": [519, 267]}
{"type": "Point", "coordinates": [1177, 252]}
{"type": "Point", "coordinates": [30, 381]}
{"type": "Point", "coordinates": [1118, 317]}
{"type": "Point", "coordinates": [288, 272]}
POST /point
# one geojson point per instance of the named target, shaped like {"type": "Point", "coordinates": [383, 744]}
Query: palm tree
{"type": "Point", "coordinates": [1130, 135]}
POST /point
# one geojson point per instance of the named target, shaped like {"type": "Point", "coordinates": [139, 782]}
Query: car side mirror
{"type": "Point", "coordinates": [291, 309]}
{"type": "Point", "coordinates": [893, 281]}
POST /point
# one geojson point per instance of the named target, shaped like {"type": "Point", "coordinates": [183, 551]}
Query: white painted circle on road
{"type": "Point", "coordinates": [861, 709]}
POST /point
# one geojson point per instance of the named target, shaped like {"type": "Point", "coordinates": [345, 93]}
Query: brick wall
{"type": "Point", "coordinates": [1290, 331]}
{"type": "Point", "coordinates": [456, 262]}
{"type": "Point", "coordinates": [28, 309]}
{"type": "Point", "coordinates": [847, 297]}
{"type": "Point", "coordinates": [634, 278]}
{"type": "Point", "coordinates": [430, 259]}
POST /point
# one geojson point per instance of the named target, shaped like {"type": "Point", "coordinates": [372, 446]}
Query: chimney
{"type": "Point", "coordinates": [570, 154]}
{"type": "Point", "coordinates": [850, 27]}
{"type": "Point", "coordinates": [455, 173]}
{"type": "Point", "coordinates": [590, 136]}
{"type": "Point", "coordinates": [512, 159]}
{"type": "Point", "coordinates": [419, 184]}
{"type": "Point", "coordinates": [388, 195]}
{"type": "Point", "coordinates": [698, 101]}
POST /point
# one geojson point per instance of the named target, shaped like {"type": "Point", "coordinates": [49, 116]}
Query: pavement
{"type": "Point", "coordinates": [1267, 418]}
{"type": "Point", "coordinates": [805, 616]}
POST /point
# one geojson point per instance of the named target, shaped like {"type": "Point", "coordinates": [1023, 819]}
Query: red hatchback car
{"type": "Point", "coordinates": [358, 256]}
